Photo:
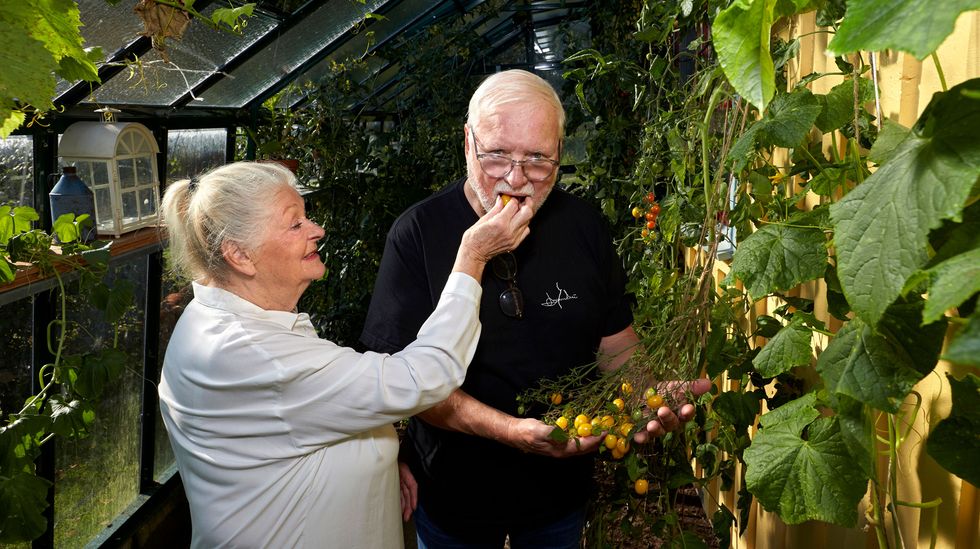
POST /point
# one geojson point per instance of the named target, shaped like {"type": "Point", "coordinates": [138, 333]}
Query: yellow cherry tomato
{"type": "Point", "coordinates": [625, 429]}
{"type": "Point", "coordinates": [627, 388]}
{"type": "Point", "coordinates": [505, 198]}
{"type": "Point", "coordinates": [581, 419]}
{"type": "Point", "coordinates": [555, 397]}
{"type": "Point", "coordinates": [610, 441]}
{"type": "Point", "coordinates": [619, 404]}
{"type": "Point", "coordinates": [562, 423]}
{"type": "Point", "coordinates": [584, 430]}
{"type": "Point", "coordinates": [616, 454]}
{"type": "Point", "coordinates": [637, 212]}
{"type": "Point", "coordinates": [654, 402]}
{"type": "Point", "coordinates": [607, 422]}
{"type": "Point", "coordinates": [649, 392]}
{"type": "Point", "coordinates": [641, 486]}
{"type": "Point", "coordinates": [622, 445]}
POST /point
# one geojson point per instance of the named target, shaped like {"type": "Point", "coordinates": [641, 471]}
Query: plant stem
{"type": "Point", "coordinates": [893, 443]}
{"type": "Point", "coordinates": [939, 70]}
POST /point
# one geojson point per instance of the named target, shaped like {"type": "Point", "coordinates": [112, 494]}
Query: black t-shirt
{"type": "Point", "coordinates": [574, 294]}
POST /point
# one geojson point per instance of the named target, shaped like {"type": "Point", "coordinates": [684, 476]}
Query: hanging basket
{"type": "Point", "coordinates": [160, 22]}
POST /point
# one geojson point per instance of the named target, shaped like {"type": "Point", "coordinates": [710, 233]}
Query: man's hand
{"type": "Point", "coordinates": [531, 435]}
{"type": "Point", "coordinates": [409, 490]}
{"type": "Point", "coordinates": [668, 420]}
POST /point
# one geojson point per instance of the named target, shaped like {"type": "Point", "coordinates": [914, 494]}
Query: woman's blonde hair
{"type": "Point", "coordinates": [513, 86]}
{"type": "Point", "coordinates": [227, 204]}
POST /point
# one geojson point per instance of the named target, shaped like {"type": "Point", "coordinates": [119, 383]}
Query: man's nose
{"type": "Point", "coordinates": [516, 176]}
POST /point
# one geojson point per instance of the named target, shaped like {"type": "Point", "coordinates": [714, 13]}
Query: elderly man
{"type": "Point", "coordinates": [558, 301]}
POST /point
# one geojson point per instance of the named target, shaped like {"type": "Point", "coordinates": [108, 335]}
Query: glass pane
{"type": "Point", "coordinates": [83, 169]}
{"type": "Point", "coordinates": [129, 209]}
{"type": "Point", "coordinates": [98, 477]}
{"type": "Point", "coordinates": [200, 53]}
{"type": "Point", "coordinates": [287, 52]}
{"type": "Point", "coordinates": [100, 174]}
{"type": "Point", "coordinates": [15, 348]}
{"type": "Point", "coordinates": [175, 295]}
{"type": "Point", "coordinates": [103, 209]}
{"type": "Point", "coordinates": [17, 170]}
{"type": "Point", "coordinates": [148, 206]}
{"type": "Point", "coordinates": [395, 20]}
{"type": "Point", "coordinates": [108, 26]}
{"type": "Point", "coordinates": [144, 170]}
{"type": "Point", "coordinates": [192, 152]}
{"type": "Point", "coordinates": [127, 173]}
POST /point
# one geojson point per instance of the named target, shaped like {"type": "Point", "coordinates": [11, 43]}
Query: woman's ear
{"type": "Point", "coordinates": [237, 258]}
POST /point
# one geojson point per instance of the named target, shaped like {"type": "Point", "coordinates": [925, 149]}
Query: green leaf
{"type": "Point", "coordinates": [98, 370]}
{"type": "Point", "coordinates": [741, 37]}
{"type": "Point", "coordinates": [788, 348]}
{"type": "Point", "coordinates": [880, 369]}
{"type": "Point", "coordinates": [23, 499]}
{"type": "Point", "coordinates": [908, 25]}
{"type": "Point", "coordinates": [838, 105]}
{"type": "Point", "coordinates": [737, 408]}
{"type": "Point", "coordinates": [558, 435]}
{"type": "Point", "coordinates": [70, 419]}
{"type": "Point", "coordinates": [114, 301]}
{"type": "Point", "coordinates": [965, 346]}
{"type": "Point", "coordinates": [882, 226]}
{"type": "Point", "coordinates": [779, 257]}
{"type": "Point", "coordinates": [799, 466]}
{"type": "Point", "coordinates": [742, 151]}
{"type": "Point", "coordinates": [891, 135]}
{"type": "Point", "coordinates": [856, 427]}
{"type": "Point", "coordinates": [955, 442]}
{"type": "Point", "coordinates": [828, 180]}
{"type": "Point", "coordinates": [951, 283]}
{"type": "Point", "coordinates": [64, 228]}
{"type": "Point", "coordinates": [789, 118]}
{"type": "Point", "coordinates": [235, 18]}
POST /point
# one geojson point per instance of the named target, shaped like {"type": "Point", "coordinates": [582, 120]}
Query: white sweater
{"type": "Point", "coordinates": [284, 439]}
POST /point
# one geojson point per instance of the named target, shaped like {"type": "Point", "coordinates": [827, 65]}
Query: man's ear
{"type": "Point", "coordinates": [237, 258]}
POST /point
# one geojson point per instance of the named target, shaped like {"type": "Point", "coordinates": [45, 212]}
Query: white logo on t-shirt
{"type": "Point", "coordinates": [562, 296]}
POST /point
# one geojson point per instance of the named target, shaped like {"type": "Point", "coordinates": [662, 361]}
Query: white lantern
{"type": "Point", "coordinates": [118, 161]}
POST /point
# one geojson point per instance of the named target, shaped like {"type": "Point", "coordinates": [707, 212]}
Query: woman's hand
{"type": "Point", "coordinates": [409, 490]}
{"type": "Point", "coordinates": [500, 230]}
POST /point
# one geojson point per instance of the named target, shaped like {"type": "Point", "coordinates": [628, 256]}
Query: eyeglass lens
{"type": "Point", "coordinates": [511, 299]}
{"type": "Point", "coordinates": [500, 166]}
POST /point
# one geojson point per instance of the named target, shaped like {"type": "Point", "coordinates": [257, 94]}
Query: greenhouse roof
{"type": "Point", "coordinates": [222, 76]}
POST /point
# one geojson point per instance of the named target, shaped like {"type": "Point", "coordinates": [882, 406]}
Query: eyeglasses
{"type": "Point", "coordinates": [499, 166]}
{"type": "Point", "coordinates": [511, 299]}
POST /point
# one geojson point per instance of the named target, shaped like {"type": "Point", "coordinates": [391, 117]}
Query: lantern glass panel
{"type": "Point", "coordinates": [130, 210]}
{"type": "Point", "coordinates": [100, 174]}
{"type": "Point", "coordinates": [103, 209]}
{"type": "Point", "coordinates": [147, 203]}
{"type": "Point", "coordinates": [144, 175]}
{"type": "Point", "coordinates": [127, 173]}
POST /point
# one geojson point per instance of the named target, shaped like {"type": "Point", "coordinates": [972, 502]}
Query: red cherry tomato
{"type": "Point", "coordinates": [655, 209]}
{"type": "Point", "coordinates": [651, 224]}
{"type": "Point", "coordinates": [650, 197]}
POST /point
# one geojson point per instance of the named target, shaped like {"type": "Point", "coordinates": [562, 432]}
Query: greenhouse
{"type": "Point", "coordinates": [283, 273]}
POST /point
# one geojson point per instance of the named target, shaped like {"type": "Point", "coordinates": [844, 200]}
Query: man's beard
{"type": "Point", "coordinates": [502, 187]}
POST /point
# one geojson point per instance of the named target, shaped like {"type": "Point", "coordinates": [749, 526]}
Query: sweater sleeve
{"type": "Point", "coordinates": [350, 392]}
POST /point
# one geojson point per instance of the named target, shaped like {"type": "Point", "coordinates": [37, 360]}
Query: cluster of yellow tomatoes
{"type": "Point", "coordinates": [647, 215]}
{"type": "Point", "coordinates": [618, 427]}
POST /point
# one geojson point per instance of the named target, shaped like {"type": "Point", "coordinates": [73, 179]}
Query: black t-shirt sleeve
{"type": "Point", "coordinates": [401, 301]}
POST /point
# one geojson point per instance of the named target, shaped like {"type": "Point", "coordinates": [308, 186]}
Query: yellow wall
{"type": "Point", "coordinates": [905, 86]}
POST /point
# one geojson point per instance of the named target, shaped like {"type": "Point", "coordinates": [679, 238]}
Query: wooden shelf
{"type": "Point", "coordinates": [135, 241]}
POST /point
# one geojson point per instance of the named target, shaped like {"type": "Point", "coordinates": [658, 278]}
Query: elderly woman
{"type": "Point", "coordinates": [284, 439]}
